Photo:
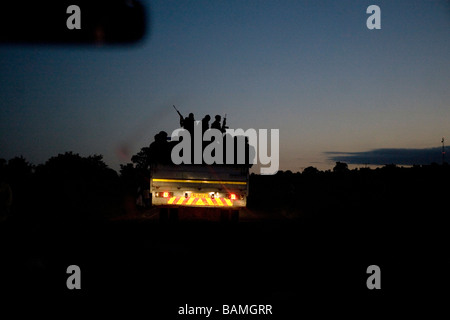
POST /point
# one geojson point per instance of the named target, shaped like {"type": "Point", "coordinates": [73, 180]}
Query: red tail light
{"type": "Point", "coordinates": [232, 196]}
{"type": "Point", "coordinates": [165, 194]}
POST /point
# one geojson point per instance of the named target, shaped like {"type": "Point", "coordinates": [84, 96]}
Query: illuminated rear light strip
{"type": "Point", "coordinates": [200, 181]}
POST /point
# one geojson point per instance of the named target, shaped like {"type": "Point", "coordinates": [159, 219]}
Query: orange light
{"type": "Point", "coordinates": [232, 196]}
{"type": "Point", "coordinates": [165, 194]}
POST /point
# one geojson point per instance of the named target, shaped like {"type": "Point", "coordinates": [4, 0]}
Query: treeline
{"type": "Point", "coordinates": [388, 192]}
{"type": "Point", "coordinates": [72, 186]}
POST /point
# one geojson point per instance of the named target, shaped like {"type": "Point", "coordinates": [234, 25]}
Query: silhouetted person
{"type": "Point", "coordinates": [160, 149]}
{"type": "Point", "coordinates": [205, 123]}
{"type": "Point", "coordinates": [188, 124]}
{"type": "Point", "coordinates": [153, 149]}
{"type": "Point", "coordinates": [216, 124]}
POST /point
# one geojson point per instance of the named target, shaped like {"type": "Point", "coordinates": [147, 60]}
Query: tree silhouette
{"type": "Point", "coordinates": [340, 167]}
{"type": "Point", "coordinates": [141, 160]}
{"type": "Point", "coordinates": [70, 185]}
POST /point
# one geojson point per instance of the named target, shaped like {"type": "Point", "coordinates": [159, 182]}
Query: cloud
{"type": "Point", "coordinates": [389, 156]}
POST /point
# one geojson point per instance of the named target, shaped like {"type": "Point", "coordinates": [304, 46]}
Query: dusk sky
{"type": "Point", "coordinates": [311, 69]}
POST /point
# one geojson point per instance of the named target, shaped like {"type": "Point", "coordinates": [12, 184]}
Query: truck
{"type": "Point", "coordinates": [215, 192]}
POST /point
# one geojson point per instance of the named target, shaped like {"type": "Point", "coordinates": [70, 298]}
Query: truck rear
{"type": "Point", "coordinates": [207, 192]}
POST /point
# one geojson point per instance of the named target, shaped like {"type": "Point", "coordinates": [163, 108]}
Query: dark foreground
{"type": "Point", "coordinates": [298, 266]}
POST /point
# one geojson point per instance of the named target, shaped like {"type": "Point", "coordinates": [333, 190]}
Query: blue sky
{"type": "Point", "coordinates": [309, 68]}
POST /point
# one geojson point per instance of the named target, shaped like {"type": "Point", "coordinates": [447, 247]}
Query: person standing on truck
{"type": "Point", "coordinates": [216, 124]}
